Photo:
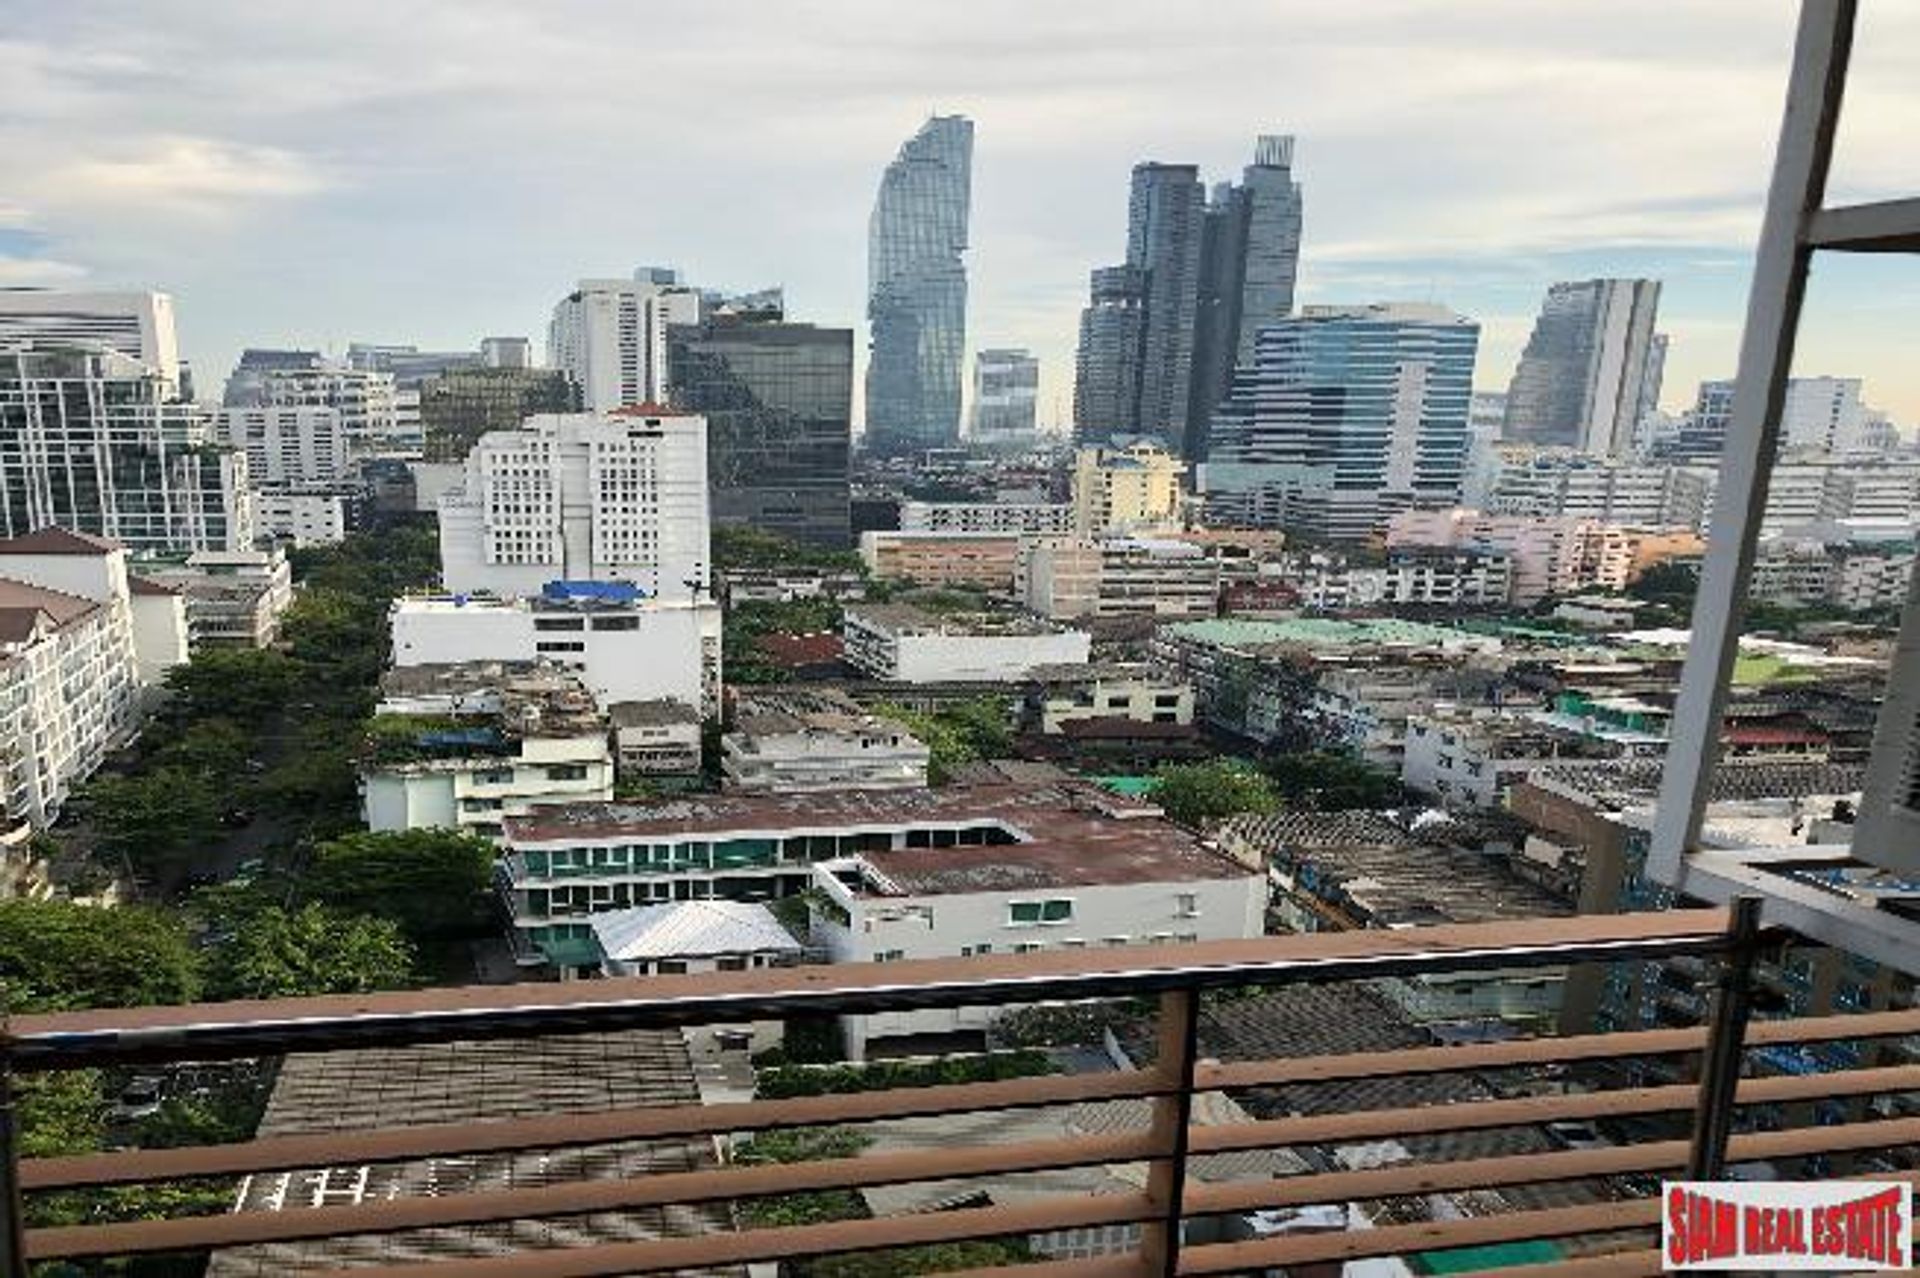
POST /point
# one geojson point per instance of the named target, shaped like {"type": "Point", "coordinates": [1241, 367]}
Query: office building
{"type": "Point", "coordinates": [1127, 490]}
{"type": "Point", "coordinates": [616, 496]}
{"type": "Point", "coordinates": [247, 384]}
{"type": "Point", "coordinates": [457, 407]}
{"type": "Point", "coordinates": [1582, 380]}
{"type": "Point", "coordinates": [1106, 369]}
{"type": "Point", "coordinates": [1068, 577]}
{"type": "Point", "coordinates": [792, 742]}
{"type": "Point", "coordinates": [1249, 260]}
{"type": "Point", "coordinates": [1820, 415]}
{"type": "Point", "coordinates": [1020, 517]}
{"type": "Point", "coordinates": [462, 747]}
{"type": "Point", "coordinates": [289, 445]}
{"type": "Point", "coordinates": [138, 325]}
{"type": "Point", "coordinates": [910, 645]}
{"type": "Point", "coordinates": [1006, 384]}
{"type": "Point", "coordinates": [93, 441]}
{"type": "Point", "coordinates": [367, 401]}
{"type": "Point", "coordinates": [506, 352]}
{"type": "Point", "coordinates": [625, 647]}
{"type": "Point", "coordinates": [1610, 490]}
{"type": "Point", "coordinates": [778, 400]}
{"type": "Point", "coordinates": [610, 336]}
{"type": "Point", "coordinates": [917, 290]}
{"type": "Point", "coordinates": [1346, 415]}
{"type": "Point", "coordinates": [409, 366]}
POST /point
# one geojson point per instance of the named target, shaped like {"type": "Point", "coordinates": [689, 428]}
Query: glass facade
{"type": "Point", "coordinates": [917, 290]}
{"type": "Point", "coordinates": [1345, 416]}
{"type": "Point", "coordinates": [1583, 376]}
{"type": "Point", "coordinates": [778, 399]}
{"type": "Point", "coordinates": [459, 406]}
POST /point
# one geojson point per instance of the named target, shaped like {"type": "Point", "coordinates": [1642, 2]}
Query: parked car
{"type": "Point", "coordinates": [140, 1098]}
{"type": "Point", "coordinates": [1572, 1134]}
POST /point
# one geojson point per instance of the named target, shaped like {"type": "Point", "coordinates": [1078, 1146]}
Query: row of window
{"type": "Point", "coordinates": [985, 948]}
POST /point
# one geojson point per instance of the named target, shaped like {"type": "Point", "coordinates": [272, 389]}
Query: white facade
{"type": "Point", "coordinates": [904, 644]}
{"type": "Point", "coordinates": [506, 352]}
{"type": "Point", "coordinates": [1025, 518]}
{"type": "Point", "coordinates": [655, 738]}
{"type": "Point", "coordinates": [475, 792]}
{"type": "Point", "coordinates": [1067, 577]}
{"type": "Point", "coordinates": [619, 496]}
{"type": "Point", "coordinates": [367, 404]}
{"type": "Point", "coordinates": [886, 924]}
{"type": "Point", "coordinates": [302, 518]}
{"type": "Point", "coordinates": [1134, 693]}
{"type": "Point", "coordinates": [289, 445]}
{"type": "Point", "coordinates": [233, 598]}
{"type": "Point", "coordinates": [137, 325]}
{"type": "Point", "coordinates": [610, 336]}
{"type": "Point", "coordinates": [795, 744]}
{"type": "Point", "coordinates": [640, 650]}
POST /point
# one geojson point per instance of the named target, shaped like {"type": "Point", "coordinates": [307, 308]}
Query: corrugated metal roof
{"type": "Point", "coordinates": [691, 929]}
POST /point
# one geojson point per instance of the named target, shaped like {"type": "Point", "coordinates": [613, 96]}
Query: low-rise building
{"type": "Point", "coordinates": [564, 864]}
{"type": "Point", "coordinates": [772, 585]}
{"type": "Point", "coordinates": [655, 739]}
{"type": "Point", "coordinates": [1599, 612]}
{"type": "Point", "coordinates": [465, 746]}
{"type": "Point", "coordinates": [1082, 878]}
{"type": "Point", "coordinates": [1020, 518]}
{"type": "Point", "coordinates": [911, 645]}
{"type": "Point", "coordinates": [317, 517]}
{"type": "Point", "coordinates": [1471, 757]}
{"type": "Point", "coordinates": [793, 742]}
{"type": "Point", "coordinates": [627, 647]}
{"type": "Point", "coordinates": [982, 559]}
{"type": "Point", "coordinates": [678, 937]}
{"type": "Point", "coordinates": [234, 598]}
{"type": "Point", "coordinates": [1069, 577]}
{"type": "Point", "coordinates": [1059, 695]}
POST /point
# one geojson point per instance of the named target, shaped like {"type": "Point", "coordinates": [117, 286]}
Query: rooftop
{"type": "Point", "coordinates": [691, 929]}
{"type": "Point", "coordinates": [1326, 632]}
{"type": "Point", "coordinates": [907, 619]}
{"type": "Point", "coordinates": [649, 714]}
{"type": "Point", "coordinates": [1090, 856]}
{"type": "Point", "coordinates": [58, 541]}
{"type": "Point", "coordinates": [778, 712]}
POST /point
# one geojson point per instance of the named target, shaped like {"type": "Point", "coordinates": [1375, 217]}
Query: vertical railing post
{"type": "Point", "coordinates": [13, 1224]}
{"type": "Point", "coordinates": [1172, 1117]}
{"type": "Point", "coordinates": [1726, 1043]}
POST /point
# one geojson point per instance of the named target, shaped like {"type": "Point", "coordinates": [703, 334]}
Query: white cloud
{"type": "Point", "coordinates": [191, 175]}
{"type": "Point", "coordinates": [16, 271]}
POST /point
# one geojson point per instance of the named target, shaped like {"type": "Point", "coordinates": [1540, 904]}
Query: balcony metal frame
{"type": "Point", "coordinates": [1176, 975]}
{"type": "Point", "coordinates": [1796, 226]}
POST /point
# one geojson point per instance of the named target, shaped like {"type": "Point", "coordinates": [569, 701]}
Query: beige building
{"type": "Point", "coordinates": [942, 558]}
{"type": "Point", "coordinates": [1064, 694]}
{"type": "Point", "coordinates": [1135, 489]}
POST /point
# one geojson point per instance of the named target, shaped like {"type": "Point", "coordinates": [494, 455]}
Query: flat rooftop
{"type": "Point", "coordinates": [906, 619]}
{"type": "Point", "coordinates": [1327, 632]}
{"type": "Point", "coordinates": [1094, 857]}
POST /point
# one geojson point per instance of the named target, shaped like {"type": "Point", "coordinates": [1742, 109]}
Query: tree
{"type": "Point", "coordinates": [246, 684]}
{"type": "Point", "coordinates": [956, 734]}
{"type": "Point", "coordinates": [154, 818]}
{"type": "Point", "coordinates": [216, 748]}
{"type": "Point", "coordinates": [55, 955]}
{"type": "Point", "coordinates": [277, 953]}
{"type": "Point", "coordinates": [1199, 794]}
{"type": "Point", "coordinates": [737, 547]}
{"type": "Point", "coordinates": [433, 883]}
{"type": "Point", "coordinates": [1329, 781]}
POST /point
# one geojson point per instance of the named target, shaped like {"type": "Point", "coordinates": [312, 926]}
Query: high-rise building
{"type": "Point", "coordinates": [1581, 381]}
{"type": "Point", "coordinates": [409, 365]}
{"type": "Point", "coordinates": [1346, 415]}
{"type": "Point", "coordinates": [917, 290]}
{"type": "Point", "coordinates": [506, 352]}
{"type": "Point", "coordinates": [371, 413]}
{"type": "Point", "coordinates": [95, 442]}
{"type": "Point", "coordinates": [1653, 380]}
{"type": "Point", "coordinates": [247, 384]}
{"type": "Point", "coordinates": [778, 400]}
{"type": "Point", "coordinates": [462, 404]}
{"type": "Point", "coordinates": [138, 325]}
{"type": "Point", "coordinates": [1006, 386]}
{"type": "Point", "coordinates": [1818, 415]}
{"type": "Point", "coordinates": [1165, 213]}
{"type": "Point", "coordinates": [610, 336]}
{"type": "Point", "coordinates": [289, 446]}
{"type": "Point", "coordinates": [1249, 261]}
{"type": "Point", "coordinates": [1106, 368]}
{"type": "Point", "coordinates": [619, 496]}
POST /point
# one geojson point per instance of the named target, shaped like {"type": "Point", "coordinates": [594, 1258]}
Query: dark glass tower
{"type": "Point", "coordinates": [459, 406]}
{"type": "Point", "coordinates": [917, 290]}
{"type": "Point", "coordinates": [778, 399]}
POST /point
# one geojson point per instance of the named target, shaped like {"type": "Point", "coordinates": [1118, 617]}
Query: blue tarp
{"type": "Point", "coordinates": [605, 591]}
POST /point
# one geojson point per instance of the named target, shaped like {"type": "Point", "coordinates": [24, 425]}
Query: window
{"type": "Point", "coordinates": [616, 623]}
{"type": "Point", "coordinates": [670, 967]}
{"type": "Point", "coordinates": [1115, 940]}
{"type": "Point", "coordinates": [567, 772]}
{"type": "Point", "coordinates": [560, 646]}
{"type": "Point", "coordinates": [1186, 905]}
{"type": "Point", "coordinates": [494, 776]}
{"type": "Point", "coordinates": [975, 951]}
{"type": "Point", "coordinates": [1028, 947]}
{"type": "Point", "coordinates": [1167, 700]}
{"type": "Point", "coordinates": [559, 623]}
{"type": "Point", "coordinates": [730, 963]}
{"type": "Point", "coordinates": [888, 956]}
{"type": "Point", "coordinates": [1185, 938]}
{"type": "Point", "coordinates": [1021, 913]}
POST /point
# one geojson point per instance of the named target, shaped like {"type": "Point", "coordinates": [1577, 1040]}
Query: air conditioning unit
{"type": "Point", "coordinates": [1887, 831]}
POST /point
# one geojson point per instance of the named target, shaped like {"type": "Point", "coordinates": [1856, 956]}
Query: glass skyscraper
{"type": "Point", "coordinates": [1345, 415]}
{"type": "Point", "coordinates": [778, 399]}
{"type": "Point", "coordinates": [1582, 378]}
{"type": "Point", "coordinates": [917, 290]}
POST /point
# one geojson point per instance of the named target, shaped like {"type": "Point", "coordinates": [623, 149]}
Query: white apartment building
{"type": "Point", "coordinates": [610, 336]}
{"type": "Point", "coordinates": [289, 446]}
{"type": "Point", "coordinates": [234, 598]}
{"type": "Point", "coordinates": [1433, 578]}
{"type": "Point", "coordinates": [77, 650]}
{"type": "Point", "coordinates": [796, 742]}
{"type": "Point", "coordinates": [1067, 577]}
{"type": "Point", "coordinates": [909, 645]}
{"type": "Point", "coordinates": [302, 518]}
{"type": "Point", "coordinates": [1866, 581]}
{"type": "Point", "coordinates": [1792, 573]}
{"type": "Point", "coordinates": [625, 647]}
{"type": "Point", "coordinates": [1612, 491]}
{"type": "Point", "coordinates": [1132, 490]}
{"type": "Point", "coordinates": [138, 325]}
{"type": "Point", "coordinates": [1035, 519]}
{"type": "Point", "coordinates": [1470, 758]}
{"type": "Point", "coordinates": [615, 496]}
{"type": "Point", "coordinates": [1550, 554]}
{"type": "Point", "coordinates": [659, 738]}
{"type": "Point", "coordinates": [465, 746]}
{"type": "Point", "coordinates": [367, 404]}
{"type": "Point", "coordinates": [96, 442]}
{"type": "Point", "coordinates": [1137, 693]}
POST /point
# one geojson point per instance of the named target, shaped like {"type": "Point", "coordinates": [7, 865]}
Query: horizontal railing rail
{"type": "Point", "coordinates": [1166, 1202]}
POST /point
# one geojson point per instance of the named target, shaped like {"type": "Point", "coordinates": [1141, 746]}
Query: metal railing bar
{"type": "Point", "coordinates": [290, 1153]}
{"type": "Point", "coordinates": [658, 1189]}
{"type": "Point", "coordinates": [1119, 1266]}
{"type": "Point", "coordinates": [1726, 1044]}
{"type": "Point", "coordinates": [1641, 1263]}
{"type": "Point", "coordinates": [1172, 1122]}
{"type": "Point", "coordinates": [213, 1031]}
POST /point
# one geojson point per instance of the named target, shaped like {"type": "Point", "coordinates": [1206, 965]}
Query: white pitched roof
{"type": "Point", "coordinates": [691, 929]}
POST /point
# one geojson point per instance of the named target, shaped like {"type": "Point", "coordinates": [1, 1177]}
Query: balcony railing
{"type": "Point", "coordinates": [1162, 1204]}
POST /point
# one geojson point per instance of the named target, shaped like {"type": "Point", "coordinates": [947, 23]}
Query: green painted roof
{"type": "Point", "coordinates": [1131, 787]}
{"type": "Point", "coordinates": [1462, 1260]}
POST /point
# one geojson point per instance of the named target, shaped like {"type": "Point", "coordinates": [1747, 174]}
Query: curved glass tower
{"type": "Point", "coordinates": [917, 290]}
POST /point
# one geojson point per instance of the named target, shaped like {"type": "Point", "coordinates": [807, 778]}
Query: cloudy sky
{"type": "Point", "coordinates": [432, 171]}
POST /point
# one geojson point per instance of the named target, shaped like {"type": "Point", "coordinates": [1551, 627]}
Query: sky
{"type": "Point", "coordinates": [436, 171]}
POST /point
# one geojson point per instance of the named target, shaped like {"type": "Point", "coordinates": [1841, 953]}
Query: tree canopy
{"type": "Point", "coordinates": [1329, 781]}
{"type": "Point", "coordinates": [433, 883]}
{"type": "Point", "coordinates": [58, 956]}
{"type": "Point", "coordinates": [279, 953]}
{"type": "Point", "coordinates": [1199, 794]}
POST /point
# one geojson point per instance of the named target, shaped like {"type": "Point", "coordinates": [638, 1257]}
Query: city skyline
{"type": "Point", "coordinates": [1487, 165]}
